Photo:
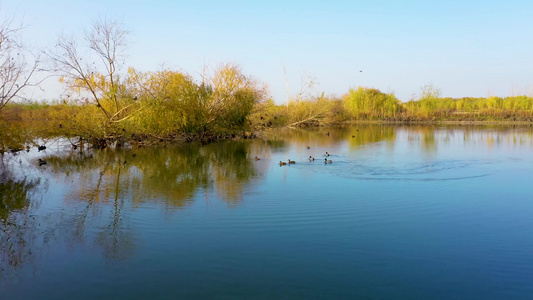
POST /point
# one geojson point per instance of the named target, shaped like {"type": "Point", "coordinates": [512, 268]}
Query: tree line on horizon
{"type": "Point", "coordinates": [110, 103]}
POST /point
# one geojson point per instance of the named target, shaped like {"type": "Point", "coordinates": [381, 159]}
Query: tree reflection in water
{"type": "Point", "coordinates": [102, 190]}
{"type": "Point", "coordinates": [171, 175]}
{"type": "Point", "coordinates": [108, 185]}
{"type": "Point", "coordinates": [18, 231]}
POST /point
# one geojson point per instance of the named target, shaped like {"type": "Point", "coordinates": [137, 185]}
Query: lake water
{"type": "Point", "coordinates": [405, 212]}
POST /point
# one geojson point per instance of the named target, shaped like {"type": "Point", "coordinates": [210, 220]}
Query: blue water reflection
{"type": "Point", "coordinates": [402, 212]}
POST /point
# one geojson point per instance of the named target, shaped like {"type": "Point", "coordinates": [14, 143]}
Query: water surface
{"type": "Point", "coordinates": [402, 212]}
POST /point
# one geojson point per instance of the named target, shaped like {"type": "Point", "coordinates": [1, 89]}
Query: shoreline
{"type": "Point", "coordinates": [140, 140]}
{"type": "Point", "coordinates": [441, 122]}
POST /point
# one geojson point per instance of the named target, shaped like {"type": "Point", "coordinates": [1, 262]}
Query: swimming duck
{"type": "Point", "coordinates": [282, 163]}
{"type": "Point", "coordinates": [327, 161]}
{"type": "Point", "coordinates": [257, 158]}
{"type": "Point", "coordinates": [291, 161]}
{"type": "Point", "coordinates": [42, 162]}
{"type": "Point", "coordinates": [308, 147]}
{"type": "Point", "coordinates": [311, 158]}
{"type": "Point", "coordinates": [327, 154]}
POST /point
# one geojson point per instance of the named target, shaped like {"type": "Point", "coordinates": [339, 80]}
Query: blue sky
{"type": "Point", "coordinates": [464, 48]}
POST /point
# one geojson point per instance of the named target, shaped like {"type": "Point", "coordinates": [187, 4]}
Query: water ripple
{"type": "Point", "coordinates": [446, 170]}
{"type": "Point", "coordinates": [414, 179]}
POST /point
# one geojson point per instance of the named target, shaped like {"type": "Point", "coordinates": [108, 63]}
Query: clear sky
{"type": "Point", "coordinates": [464, 48]}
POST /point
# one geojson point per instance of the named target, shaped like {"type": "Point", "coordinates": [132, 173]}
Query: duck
{"type": "Point", "coordinates": [282, 163]}
{"type": "Point", "coordinates": [257, 158]}
{"type": "Point", "coordinates": [308, 147]}
{"type": "Point", "coordinates": [42, 162]}
{"type": "Point", "coordinates": [311, 158]}
{"type": "Point", "coordinates": [41, 148]}
{"type": "Point", "coordinates": [327, 161]}
{"type": "Point", "coordinates": [327, 154]}
{"type": "Point", "coordinates": [291, 161]}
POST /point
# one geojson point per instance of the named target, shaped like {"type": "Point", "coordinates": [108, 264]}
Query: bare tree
{"type": "Point", "coordinates": [17, 64]}
{"type": "Point", "coordinates": [107, 42]}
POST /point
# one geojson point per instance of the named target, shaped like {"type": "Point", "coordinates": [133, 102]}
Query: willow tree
{"type": "Point", "coordinates": [95, 73]}
{"type": "Point", "coordinates": [18, 64]}
{"type": "Point", "coordinates": [306, 107]}
{"type": "Point", "coordinates": [429, 100]}
{"type": "Point", "coordinates": [173, 102]}
{"type": "Point", "coordinates": [233, 97]}
{"type": "Point", "coordinates": [310, 111]}
{"type": "Point", "coordinates": [368, 103]}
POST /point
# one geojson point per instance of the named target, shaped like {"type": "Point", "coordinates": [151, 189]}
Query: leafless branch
{"type": "Point", "coordinates": [106, 40]}
{"type": "Point", "coordinates": [18, 65]}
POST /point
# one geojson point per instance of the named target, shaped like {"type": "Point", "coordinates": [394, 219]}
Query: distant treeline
{"type": "Point", "coordinates": [368, 104]}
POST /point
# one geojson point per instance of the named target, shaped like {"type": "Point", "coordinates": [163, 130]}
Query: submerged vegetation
{"type": "Point", "coordinates": [109, 104]}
